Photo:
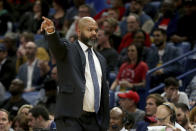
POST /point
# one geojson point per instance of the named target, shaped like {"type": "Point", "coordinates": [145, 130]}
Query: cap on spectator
{"type": "Point", "coordinates": [130, 95]}
{"type": "Point", "coordinates": [2, 47]}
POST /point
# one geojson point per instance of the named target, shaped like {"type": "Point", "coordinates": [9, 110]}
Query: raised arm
{"type": "Point", "coordinates": [57, 47]}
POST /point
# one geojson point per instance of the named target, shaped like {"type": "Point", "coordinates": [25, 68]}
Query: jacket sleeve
{"type": "Point", "coordinates": [57, 46]}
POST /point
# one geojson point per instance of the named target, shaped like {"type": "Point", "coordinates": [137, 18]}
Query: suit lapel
{"type": "Point", "coordinates": [82, 55]}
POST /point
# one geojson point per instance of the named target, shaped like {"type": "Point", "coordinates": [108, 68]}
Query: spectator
{"type": "Point", "coordinates": [105, 48]}
{"type": "Point", "coordinates": [139, 38]}
{"type": "Point", "coordinates": [49, 99]}
{"type": "Point", "coordinates": [128, 101]}
{"type": "Point", "coordinates": [152, 102]}
{"type": "Point", "coordinates": [5, 18]}
{"type": "Point", "coordinates": [166, 116]}
{"type": "Point", "coordinates": [191, 91]}
{"type": "Point", "coordinates": [39, 119]}
{"type": "Point", "coordinates": [24, 109]}
{"type": "Point", "coordinates": [136, 7]}
{"type": "Point", "coordinates": [29, 72]}
{"type": "Point", "coordinates": [117, 5]}
{"type": "Point", "coordinates": [182, 116]}
{"type": "Point", "coordinates": [116, 120]}
{"type": "Point", "coordinates": [73, 11]}
{"type": "Point", "coordinates": [168, 18]}
{"type": "Point", "coordinates": [7, 67]}
{"type": "Point", "coordinates": [186, 33]}
{"type": "Point", "coordinates": [31, 20]}
{"type": "Point", "coordinates": [132, 74]}
{"type": "Point", "coordinates": [5, 122]}
{"type": "Point", "coordinates": [20, 123]}
{"type": "Point", "coordinates": [110, 26]}
{"type": "Point", "coordinates": [41, 52]}
{"type": "Point", "coordinates": [84, 10]}
{"type": "Point", "coordinates": [193, 115]}
{"type": "Point", "coordinates": [160, 54]}
{"type": "Point", "coordinates": [133, 24]}
{"type": "Point", "coordinates": [10, 41]}
{"type": "Point", "coordinates": [16, 100]}
{"type": "Point", "coordinates": [19, 7]}
{"type": "Point", "coordinates": [172, 93]}
{"type": "Point", "coordinates": [59, 16]}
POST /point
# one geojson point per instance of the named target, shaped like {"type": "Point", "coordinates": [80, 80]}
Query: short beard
{"type": "Point", "coordinates": [184, 121]}
{"type": "Point", "coordinates": [91, 42]}
{"type": "Point", "coordinates": [88, 41]}
{"type": "Point", "coordinates": [160, 44]}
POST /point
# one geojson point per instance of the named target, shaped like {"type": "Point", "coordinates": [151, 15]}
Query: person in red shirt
{"type": "Point", "coordinates": [132, 26]}
{"type": "Point", "coordinates": [132, 73]}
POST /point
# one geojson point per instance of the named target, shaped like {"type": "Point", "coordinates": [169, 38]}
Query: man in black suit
{"type": "Point", "coordinates": [82, 101]}
{"type": "Point", "coordinates": [7, 67]}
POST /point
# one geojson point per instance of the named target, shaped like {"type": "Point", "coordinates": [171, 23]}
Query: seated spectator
{"type": "Point", "coordinates": [161, 53]}
{"type": "Point", "coordinates": [116, 120]}
{"type": "Point", "coordinates": [39, 119]}
{"type": "Point", "coordinates": [59, 16]}
{"type": "Point", "coordinates": [128, 102]}
{"type": "Point", "coordinates": [29, 72]}
{"type": "Point", "coordinates": [182, 116]}
{"type": "Point", "coordinates": [24, 109]}
{"type": "Point", "coordinates": [84, 10]}
{"type": "Point", "coordinates": [172, 93]}
{"type": "Point", "coordinates": [16, 100]}
{"type": "Point", "coordinates": [7, 67]}
{"type": "Point", "coordinates": [132, 74]}
{"type": "Point", "coordinates": [73, 11]}
{"type": "Point", "coordinates": [136, 7]}
{"type": "Point", "coordinates": [166, 116]}
{"type": "Point", "coordinates": [49, 99]}
{"type": "Point", "coordinates": [133, 24]}
{"type": "Point", "coordinates": [139, 38]}
{"type": "Point", "coordinates": [185, 30]}
{"type": "Point", "coordinates": [116, 4]}
{"type": "Point", "coordinates": [168, 18]}
{"type": "Point", "coordinates": [41, 52]}
{"type": "Point", "coordinates": [191, 91]}
{"type": "Point", "coordinates": [152, 102]}
{"type": "Point", "coordinates": [10, 41]}
{"type": "Point", "coordinates": [5, 122]}
{"type": "Point", "coordinates": [31, 20]}
{"type": "Point", "coordinates": [105, 48]}
{"type": "Point", "coordinates": [20, 123]}
{"type": "Point", "coordinates": [5, 18]}
{"type": "Point", "coordinates": [110, 26]}
{"type": "Point", "coordinates": [193, 116]}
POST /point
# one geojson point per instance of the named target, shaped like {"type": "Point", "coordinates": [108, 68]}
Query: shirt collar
{"type": "Point", "coordinates": [3, 61]}
{"type": "Point", "coordinates": [83, 46]}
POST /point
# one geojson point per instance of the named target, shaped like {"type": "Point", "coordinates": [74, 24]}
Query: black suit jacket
{"type": "Point", "coordinates": [7, 73]}
{"type": "Point", "coordinates": [71, 63]}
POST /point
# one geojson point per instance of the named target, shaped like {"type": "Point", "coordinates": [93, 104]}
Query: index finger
{"type": "Point", "coordinates": [43, 17]}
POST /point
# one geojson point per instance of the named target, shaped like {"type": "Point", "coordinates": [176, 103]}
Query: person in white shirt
{"type": "Point", "coordinates": [172, 93]}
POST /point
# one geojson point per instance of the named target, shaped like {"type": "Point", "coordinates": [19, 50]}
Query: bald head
{"type": "Point", "coordinates": [85, 21]}
{"type": "Point", "coordinates": [116, 111]}
{"type": "Point", "coordinates": [87, 31]}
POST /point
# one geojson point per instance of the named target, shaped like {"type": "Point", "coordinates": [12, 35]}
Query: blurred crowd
{"type": "Point", "coordinates": [134, 36]}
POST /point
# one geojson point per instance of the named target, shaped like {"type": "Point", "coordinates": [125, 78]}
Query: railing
{"type": "Point", "coordinates": [148, 90]}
